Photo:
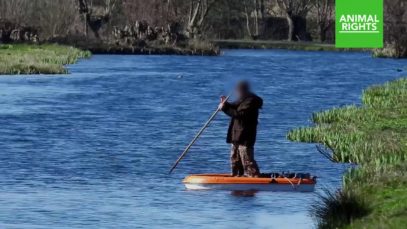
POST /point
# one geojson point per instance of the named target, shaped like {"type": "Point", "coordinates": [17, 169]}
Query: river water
{"type": "Point", "coordinates": [93, 149]}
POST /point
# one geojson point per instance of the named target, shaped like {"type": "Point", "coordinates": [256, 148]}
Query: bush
{"type": "Point", "coordinates": [338, 209]}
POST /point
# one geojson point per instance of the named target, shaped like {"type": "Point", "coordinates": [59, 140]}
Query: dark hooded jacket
{"type": "Point", "coordinates": [243, 125]}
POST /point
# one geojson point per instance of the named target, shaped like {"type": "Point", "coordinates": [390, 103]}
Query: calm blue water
{"type": "Point", "coordinates": [93, 149]}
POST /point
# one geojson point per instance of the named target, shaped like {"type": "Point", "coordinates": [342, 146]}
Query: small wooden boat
{"type": "Point", "coordinates": [299, 182]}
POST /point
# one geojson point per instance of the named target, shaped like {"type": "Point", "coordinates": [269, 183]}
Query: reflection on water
{"type": "Point", "coordinates": [93, 149]}
{"type": "Point", "coordinates": [243, 193]}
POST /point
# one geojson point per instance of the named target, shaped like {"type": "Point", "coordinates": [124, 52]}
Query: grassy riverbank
{"type": "Point", "coordinates": [38, 59]}
{"type": "Point", "coordinates": [191, 48]}
{"type": "Point", "coordinates": [374, 136]}
{"type": "Point", "coordinates": [269, 44]}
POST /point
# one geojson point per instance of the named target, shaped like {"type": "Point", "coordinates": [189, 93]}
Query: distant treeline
{"type": "Point", "coordinates": [173, 20]}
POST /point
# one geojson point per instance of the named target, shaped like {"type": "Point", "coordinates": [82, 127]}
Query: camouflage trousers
{"type": "Point", "coordinates": [242, 161]}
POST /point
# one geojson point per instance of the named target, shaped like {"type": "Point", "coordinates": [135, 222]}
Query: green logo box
{"type": "Point", "coordinates": [359, 24]}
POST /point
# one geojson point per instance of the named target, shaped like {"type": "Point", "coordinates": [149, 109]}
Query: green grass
{"type": "Point", "coordinates": [38, 59]}
{"type": "Point", "coordinates": [374, 136]}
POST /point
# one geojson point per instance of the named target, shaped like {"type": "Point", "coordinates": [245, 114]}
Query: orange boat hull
{"type": "Point", "coordinates": [227, 182]}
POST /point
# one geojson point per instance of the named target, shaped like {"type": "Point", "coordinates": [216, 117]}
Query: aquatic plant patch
{"type": "Point", "coordinates": [38, 59]}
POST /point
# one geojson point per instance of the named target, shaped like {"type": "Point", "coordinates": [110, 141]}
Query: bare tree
{"type": "Point", "coordinates": [155, 12]}
{"type": "Point", "coordinates": [51, 18]}
{"type": "Point", "coordinates": [198, 11]}
{"type": "Point", "coordinates": [254, 14]}
{"type": "Point", "coordinates": [192, 13]}
{"type": "Point", "coordinates": [395, 14]}
{"type": "Point", "coordinates": [325, 11]}
{"type": "Point", "coordinates": [96, 16]}
{"type": "Point", "coordinates": [56, 17]}
{"type": "Point", "coordinates": [15, 10]}
{"type": "Point", "coordinates": [294, 9]}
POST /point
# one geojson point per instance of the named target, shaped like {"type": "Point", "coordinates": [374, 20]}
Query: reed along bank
{"type": "Point", "coordinates": [374, 138]}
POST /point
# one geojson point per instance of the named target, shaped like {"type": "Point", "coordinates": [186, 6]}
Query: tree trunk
{"type": "Point", "coordinates": [256, 19]}
{"type": "Point", "coordinates": [192, 21]}
{"type": "Point", "coordinates": [290, 23]}
{"type": "Point", "coordinates": [86, 25]}
{"type": "Point", "coordinates": [322, 33]}
{"type": "Point", "coordinates": [247, 20]}
{"type": "Point", "coordinates": [322, 37]}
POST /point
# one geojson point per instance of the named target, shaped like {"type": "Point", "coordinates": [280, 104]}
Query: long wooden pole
{"type": "Point", "coordinates": [196, 137]}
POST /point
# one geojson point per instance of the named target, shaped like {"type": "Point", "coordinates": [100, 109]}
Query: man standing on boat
{"type": "Point", "coordinates": [242, 129]}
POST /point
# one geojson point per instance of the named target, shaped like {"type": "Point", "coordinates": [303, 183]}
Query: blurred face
{"type": "Point", "coordinates": [240, 93]}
